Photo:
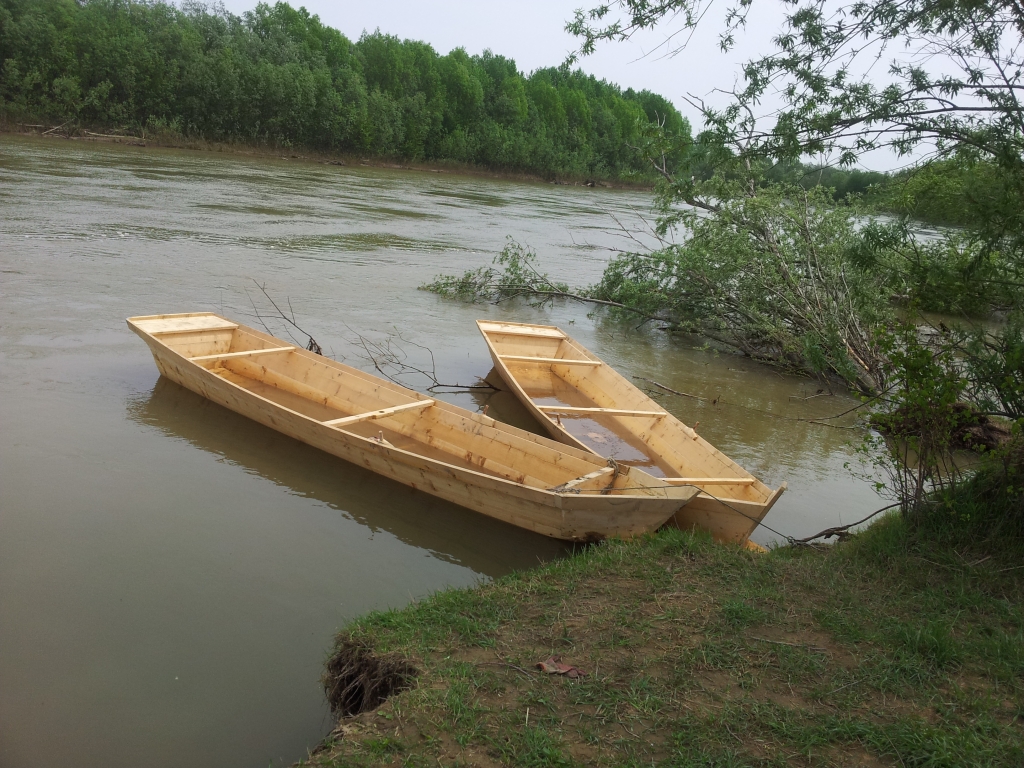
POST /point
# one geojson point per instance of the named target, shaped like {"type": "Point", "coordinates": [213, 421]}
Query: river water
{"type": "Point", "coordinates": [171, 574]}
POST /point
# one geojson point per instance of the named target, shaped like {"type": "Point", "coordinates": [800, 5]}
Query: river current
{"type": "Point", "coordinates": [172, 574]}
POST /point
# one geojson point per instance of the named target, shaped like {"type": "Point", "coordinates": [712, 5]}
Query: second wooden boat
{"type": "Point", "coordinates": [441, 449]}
{"type": "Point", "coordinates": [583, 402]}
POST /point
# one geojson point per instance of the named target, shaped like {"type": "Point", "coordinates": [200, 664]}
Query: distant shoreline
{"type": "Point", "coordinates": [164, 141]}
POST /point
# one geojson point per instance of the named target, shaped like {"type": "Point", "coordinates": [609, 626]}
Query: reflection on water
{"type": "Point", "coordinates": [447, 531]}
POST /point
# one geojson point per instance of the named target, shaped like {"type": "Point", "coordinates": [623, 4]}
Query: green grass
{"type": "Point", "coordinates": [886, 650]}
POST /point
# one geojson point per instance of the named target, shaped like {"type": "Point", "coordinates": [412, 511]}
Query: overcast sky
{"type": "Point", "coordinates": [533, 33]}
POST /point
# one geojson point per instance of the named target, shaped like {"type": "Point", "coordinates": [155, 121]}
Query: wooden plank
{"type": "Point", "coordinates": [553, 360]}
{"type": "Point", "coordinates": [246, 353]}
{"type": "Point", "coordinates": [522, 330]}
{"type": "Point", "coordinates": [585, 478]}
{"type": "Point", "coordinates": [183, 324]}
{"type": "Point", "coordinates": [176, 315]}
{"type": "Point", "coordinates": [337, 423]}
{"type": "Point", "coordinates": [606, 411]}
{"type": "Point", "coordinates": [224, 327]}
{"type": "Point", "coordinates": [459, 452]}
{"type": "Point", "coordinates": [709, 480]}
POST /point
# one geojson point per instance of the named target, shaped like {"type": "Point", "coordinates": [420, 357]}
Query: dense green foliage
{"type": "Point", "coordinates": [952, 191]}
{"type": "Point", "coordinates": [278, 75]}
{"type": "Point", "coordinates": [767, 274]}
{"type": "Point", "coordinates": [844, 182]}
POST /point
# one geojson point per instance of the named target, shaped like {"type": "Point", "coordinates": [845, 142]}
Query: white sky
{"type": "Point", "coordinates": [532, 33]}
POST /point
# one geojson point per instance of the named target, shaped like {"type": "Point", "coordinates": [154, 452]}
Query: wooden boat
{"type": "Point", "coordinates": [585, 403]}
{"type": "Point", "coordinates": [441, 449]}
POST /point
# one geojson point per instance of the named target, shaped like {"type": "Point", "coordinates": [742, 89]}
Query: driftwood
{"type": "Point", "coordinates": [56, 128]}
{"type": "Point", "coordinates": [388, 356]}
{"type": "Point", "coordinates": [113, 136]}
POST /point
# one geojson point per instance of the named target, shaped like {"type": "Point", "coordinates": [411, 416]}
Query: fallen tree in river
{"type": "Point", "coordinates": [767, 275]}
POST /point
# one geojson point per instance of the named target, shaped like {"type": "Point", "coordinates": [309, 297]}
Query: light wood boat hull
{"type": "Point", "coordinates": [463, 457]}
{"type": "Point", "coordinates": [585, 403]}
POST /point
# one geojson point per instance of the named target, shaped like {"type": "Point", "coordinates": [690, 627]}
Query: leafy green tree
{"type": "Point", "coordinates": [278, 75]}
{"type": "Point", "coordinates": [960, 101]}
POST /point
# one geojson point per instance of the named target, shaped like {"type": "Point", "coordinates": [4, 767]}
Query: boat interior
{"type": "Point", "coordinates": [353, 402]}
{"type": "Point", "coordinates": [605, 413]}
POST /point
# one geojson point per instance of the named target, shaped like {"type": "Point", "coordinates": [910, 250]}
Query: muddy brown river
{"type": "Point", "coordinates": [171, 574]}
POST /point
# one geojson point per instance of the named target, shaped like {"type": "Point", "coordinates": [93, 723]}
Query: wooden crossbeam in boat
{"type": "Point", "coordinates": [606, 411]}
{"type": "Point", "coordinates": [201, 329]}
{"type": "Point", "coordinates": [516, 330]}
{"type": "Point", "coordinates": [246, 353]}
{"type": "Point", "coordinates": [708, 480]}
{"type": "Point", "coordinates": [585, 478]}
{"type": "Point", "coordinates": [556, 360]}
{"type": "Point", "coordinates": [344, 420]}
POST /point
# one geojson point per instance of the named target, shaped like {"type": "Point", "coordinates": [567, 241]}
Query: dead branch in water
{"type": "Point", "coordinates": [55, 128]}
{"type": "Point", "coordinates": [388, 356]}
{"type": "Point", "coordinates": [113, 136]}
{"type": "Point", "coordinates": [311, 345]}
{"type": "Point", "coordinates": [392, 361]}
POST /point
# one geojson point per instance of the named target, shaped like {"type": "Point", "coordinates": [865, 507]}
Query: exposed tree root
{"type": "Point", "coordinates": [357, 680]}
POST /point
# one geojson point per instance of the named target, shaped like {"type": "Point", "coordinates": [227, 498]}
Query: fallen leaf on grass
{"type": "Point", "coordinates": [554, 666]}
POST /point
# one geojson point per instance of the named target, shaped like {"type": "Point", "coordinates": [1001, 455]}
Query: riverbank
{"type": "Point", "coordinates": [883, 650]}
{"type": "Point", "coordinates": [171, 140]}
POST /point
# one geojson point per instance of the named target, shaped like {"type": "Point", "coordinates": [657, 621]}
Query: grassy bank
{"type": "Point", "coordinates": [883, 650]}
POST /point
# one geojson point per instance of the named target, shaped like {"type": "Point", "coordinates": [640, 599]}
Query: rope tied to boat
{"type": "Point", "coordinates": [723, 502]}
{"type": "Point", "coordinates": [615, 476]}
{"type": "Point", "coordinates": [617, 470]}
{"type": "Point", "coordinates": [790, 540]}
